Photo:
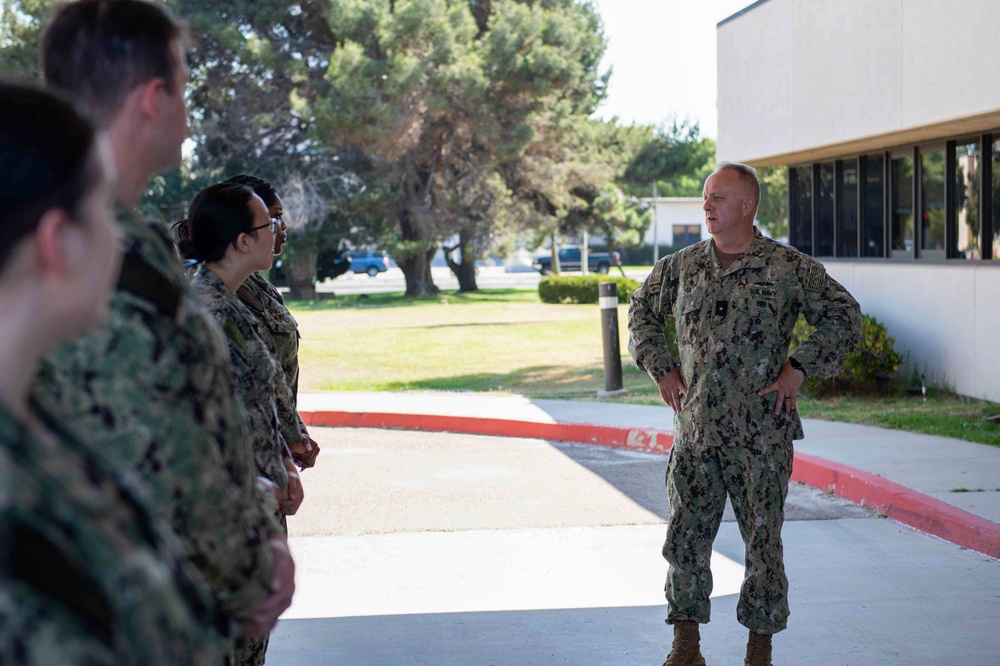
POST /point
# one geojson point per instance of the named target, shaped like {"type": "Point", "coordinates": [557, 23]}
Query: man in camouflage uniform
{"type": "Point", "coordinates": [92, 579]}
{"type": "Point", "coordinates": [150, 389]}
{"type": "Point", "coordinates": [734, 300]}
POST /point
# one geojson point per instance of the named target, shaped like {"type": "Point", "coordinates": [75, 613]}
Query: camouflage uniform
{"type": "Point", "coordinates": [87, 575]}
{"type": "Point", "coordinates": [253, 371]}
{"type": "Point", "coordinates": [255, 374]}
{"type": "Point", "coordinates": [280, 332]}
{"type": "Point", "coordinates": [150, 390]}
{"type": "Point", "coordinates": [733, 332]}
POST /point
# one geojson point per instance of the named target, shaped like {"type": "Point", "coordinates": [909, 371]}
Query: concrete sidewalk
{"type": "Point", "coordinates": [945, 487]}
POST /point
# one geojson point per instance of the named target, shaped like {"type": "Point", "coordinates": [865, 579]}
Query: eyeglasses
{"type": "Point", "coordinates": [274, 224]}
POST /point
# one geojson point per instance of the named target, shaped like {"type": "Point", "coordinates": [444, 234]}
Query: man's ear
{"type": "Point", "coordinates": [148, 93]}
{"type": "Point", "coordinates": [51, 241]}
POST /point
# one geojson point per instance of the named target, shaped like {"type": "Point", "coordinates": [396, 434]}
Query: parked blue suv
{"type": "Point", "coordinates": [372, 263]}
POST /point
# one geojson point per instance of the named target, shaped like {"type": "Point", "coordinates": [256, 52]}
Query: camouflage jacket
{"type": "Point", "coordinates": [733, 331]}
{"type": "Point", "coordinates": [87, 571]}
{"type": "Point", "coordinates": [281, 334]}
{"type": "Point", "coordinates": [252, 371]}
{"type": "Point", "coordinates": [150, 391]}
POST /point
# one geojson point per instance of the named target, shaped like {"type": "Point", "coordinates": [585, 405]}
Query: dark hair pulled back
{"type": "Point", "coordinates": [260, 187]}
{"type": "Point", "coordinates": [46, 160]}
{"type": "Point", "coordinates": [216, 217]}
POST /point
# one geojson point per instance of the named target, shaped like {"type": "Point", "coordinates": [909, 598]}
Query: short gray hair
{"type": "Point", "coordinates": [747, 174]}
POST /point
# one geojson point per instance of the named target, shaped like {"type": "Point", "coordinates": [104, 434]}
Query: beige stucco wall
{"type": "Point", "coordinates": [944, 317]}
{"type": "Point", "coordinates": [802, 80]}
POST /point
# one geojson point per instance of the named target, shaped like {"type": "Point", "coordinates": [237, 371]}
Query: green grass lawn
{"type": "Point", "coordinates": [499, 340]}
{"type": "Point", "coordinates": [507, 341]}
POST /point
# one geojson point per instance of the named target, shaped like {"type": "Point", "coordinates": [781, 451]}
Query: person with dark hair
{"type": "Point", "coordinates": [88, 573]}
{"type": "Point", "coordinates": [733, 388]}
{"type": "Point", "coordinates": [150, 388]}
{"type": "Point", "coordinates": [231, 236]}
{"type": "Point", "coordinates": [282, 331]}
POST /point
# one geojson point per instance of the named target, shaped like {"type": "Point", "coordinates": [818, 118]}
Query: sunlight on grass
{"type": "Point", "coordinates": [507, 341]}
{"type": "Point", "coordinates": [504, 342]}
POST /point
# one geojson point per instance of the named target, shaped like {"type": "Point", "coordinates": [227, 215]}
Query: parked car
{"type": "Point", "coordinates": [372, 263]}
{"type": "Point", "coordinates": [570, 259]}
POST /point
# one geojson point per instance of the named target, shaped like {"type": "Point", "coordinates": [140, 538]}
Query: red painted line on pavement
{"type": "Point", "coordinates": [897, 502]}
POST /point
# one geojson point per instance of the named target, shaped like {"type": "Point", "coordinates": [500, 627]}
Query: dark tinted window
{"type": "Point", "coordinates": [901, 205]}
{"type": "Point", "coordinates": [800, 208]}
{"type": "Point", "coordinates": [847, 210]}
{"type": "Point", "coordinates": [873, 207]}
{"type": "Point", "coordinates": [824, 211]}
{"type": "Point", "coordinates": [965, 243]}
{"type": "Point", "coordinates": [932, 201]}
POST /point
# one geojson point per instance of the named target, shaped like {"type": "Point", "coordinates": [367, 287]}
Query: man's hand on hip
{"type": "Point", "coordinates": [672, 388]}
{"type": "Point", "coordinates": [787, 387]}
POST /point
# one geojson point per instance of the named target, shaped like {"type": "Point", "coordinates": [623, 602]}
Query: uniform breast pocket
{"type": "Point", "coordinates": [689, 315]}
{"type": "Point", "coordinates": [761, 317]}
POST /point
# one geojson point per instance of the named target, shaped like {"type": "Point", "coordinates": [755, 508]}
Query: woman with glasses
{"type": "Point", "coordinates": [88, 575]}
{"type": "Point", "coordinates": [230, 234]}
{"type": "Point", "coordinates": [261, 297]}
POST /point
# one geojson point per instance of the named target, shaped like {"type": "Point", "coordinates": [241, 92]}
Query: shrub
{"type": "Point", "coordinates": [582, 288]}
{"type": "Point", "coordinates": [869, 369]}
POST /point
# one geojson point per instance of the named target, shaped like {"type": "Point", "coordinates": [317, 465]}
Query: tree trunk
{"type": "Point", "coordinates": [417, 271]}
{"type": "Point", "coordinates": [416, 265]}
{"type": "Point", "coordinates": [301, 276]}
{"type": "Point", "coordinates": [554, 265]}
{"type": "Point", "coordinates": [465, 271]}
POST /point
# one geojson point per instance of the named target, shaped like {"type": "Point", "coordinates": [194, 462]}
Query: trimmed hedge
{"type": "Point", "coordinates": [582, 288]}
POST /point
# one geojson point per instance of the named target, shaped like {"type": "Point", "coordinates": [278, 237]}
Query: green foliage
{"type": "Point", "coordinates": [772, 215]}
{"type": "Point", "coordinates": [582, 288]}
{"type": "Point", "coordinates": [447, 99]}
{"type": "Point", "coordinates": [870, 369]}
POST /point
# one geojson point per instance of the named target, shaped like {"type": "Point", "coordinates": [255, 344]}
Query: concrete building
{"type": "Point", "coordinates": [678, 221]}
{"type": "Point", "coordinates": [887, 115]}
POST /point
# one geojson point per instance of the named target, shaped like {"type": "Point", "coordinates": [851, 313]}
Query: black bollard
{"type": "Point", "coordinates": [608, 293]}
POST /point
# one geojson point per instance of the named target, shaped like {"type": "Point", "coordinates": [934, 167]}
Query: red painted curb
{"type": "Point", "coordinates": [638, 440]}
{"type": "Point", "coordinates": [898, 502]}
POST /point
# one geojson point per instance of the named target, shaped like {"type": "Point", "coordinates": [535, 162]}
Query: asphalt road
{"type": "Point", "coordinates": [431, 548]}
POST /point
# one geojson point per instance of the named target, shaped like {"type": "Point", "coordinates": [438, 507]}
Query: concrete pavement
{"type": "Point", "coordinates": [453, 550]}
{"type": "Point", "coordinates": [944, 487]}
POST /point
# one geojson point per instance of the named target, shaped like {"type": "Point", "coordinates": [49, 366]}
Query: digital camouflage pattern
{"type": "Point", "coordinates": [280, 332]}
{"type": "Point", "coordinates": [35, 630]}
{"type": "Point", "coordinates": [252, 372]}
{"type": "Point", "coordinates": [698, 480]}
{"type": "Point", "coordinates": [152, 393]}
{"type": "Point", "coordinates": [89, 573]}
{"type": "Point", "coordinates": [733, 332]}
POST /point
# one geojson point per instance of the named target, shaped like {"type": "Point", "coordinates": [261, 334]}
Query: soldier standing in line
{"type": "Point", "coordinates": [88, 573]}
{"type": "Point", "coordinates": [281, 331]}
{"type": "Point", "coordinates": [734, 300]}
{"type": "Point", "coordinates": [231, 236]}
{"type": "Point", "coordinates": [149, 390]}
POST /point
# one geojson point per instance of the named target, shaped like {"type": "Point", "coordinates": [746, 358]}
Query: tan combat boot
{"type": "Point", "coordinates": [686, 650]}
{"type": "Point", "coordinates": [758, 650]}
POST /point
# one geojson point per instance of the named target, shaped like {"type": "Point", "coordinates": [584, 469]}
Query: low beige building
{"type": "Point", "coordinates": [887, 115]}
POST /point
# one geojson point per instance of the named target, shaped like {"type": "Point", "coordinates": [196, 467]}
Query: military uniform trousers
{"type": "Point", "coordinates": [755, 478]}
